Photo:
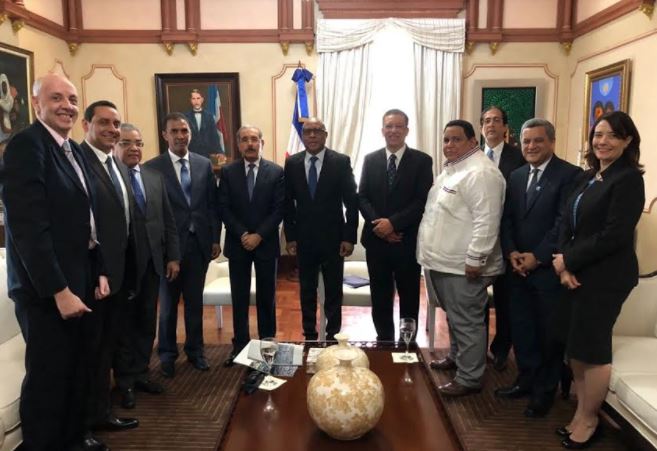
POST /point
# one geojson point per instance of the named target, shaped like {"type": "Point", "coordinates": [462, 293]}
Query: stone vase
{"type": "Point", "coordinates": [345, 401]}
{"type": "Point", "coordinates": [327, 359]}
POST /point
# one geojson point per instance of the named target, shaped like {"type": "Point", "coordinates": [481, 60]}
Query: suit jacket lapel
{"type": "Point", "coordinates": [401, 166]}
{"type": "Point", "coordinates": [542, 183]}
{"type": "Point", "coordinates": [262, 175]}
{"type": "Point", "coordinates": [66, 166]}
{"type": "Point", "coordinates": [171, 179]}
{"type": "Point", "coordinates": [100, 172]}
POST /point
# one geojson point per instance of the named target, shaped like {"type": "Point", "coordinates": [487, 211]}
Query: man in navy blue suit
{"type": "Point", "coordinates": [532, 215]}
{"type": "Point", "coordinates": [251, 197]}
{"type": "Point", "coordinates": [192, 191]}
{"type": "Point", "coordinates": [52, 268]}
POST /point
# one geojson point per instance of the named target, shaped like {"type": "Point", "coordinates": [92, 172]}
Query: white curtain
{"type": "Point", "coordinates": [347, 73]}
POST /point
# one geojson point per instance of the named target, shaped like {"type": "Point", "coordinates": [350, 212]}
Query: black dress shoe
{"type": "Point", "coordinates": [499, 362]}
{"type": "Point", "coordinates": [168, 369]}
{"type": "Point", "coordinates": [562, 431]}
{"type": "Point", "coordinates": [128, 398]}
{"type": "Point", "coordinates": [443, 364]}
{"type": "Point", "coordinates": [230, 360]}
{"type": "Point", "coordinates": [538, 408]}
{"type": "Point", "coordinates": [511, 392]}
{"type": "Point", "coordinates": [199, 363]}
{"type": "Point", "coordinates": [91, 443]}
{"type": "Point", "coordinates": [149, 386]}
{"type": "Point", "coordinates": [113, 423]}
{"type": "Point", "coordinates": [572, 444]}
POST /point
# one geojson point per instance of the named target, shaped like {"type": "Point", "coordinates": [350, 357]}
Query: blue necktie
{"type": "Point", "coordinates": [185, 181]}
{"type": "Point", "coordinates": [136, 189]}
{"type": "Point", "coordinates": [490, 154]}
{"type": "Point", "coordinates": [115, 180]}
{"type": "Point", "coordinates": [312, 176]}
{"type": "Point", "coordinates": [531, 189]}
{"type": "Point", "coordinates": [250, 180]}
{"type": "Point", "coordinates": [392, 170]}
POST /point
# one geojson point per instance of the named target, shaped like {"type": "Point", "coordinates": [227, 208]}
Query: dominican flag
{"type": "Point", "coordinates": [300, 77]}
{"type": "Point", "coordinates": [214, 105]}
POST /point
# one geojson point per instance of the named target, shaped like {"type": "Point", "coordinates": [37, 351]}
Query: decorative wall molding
{"type": "Point", "coordinates": [377, 9]}
{"type": "Point", "coordinates": [115, 73]}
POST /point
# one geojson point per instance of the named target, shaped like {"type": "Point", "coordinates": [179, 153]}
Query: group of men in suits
{"type": "Point", "coordinates": [489, 220]}
{"type": "Point", "coordinates": [91, 236]}
{"type": "Point", "coordinates": [315, 195]}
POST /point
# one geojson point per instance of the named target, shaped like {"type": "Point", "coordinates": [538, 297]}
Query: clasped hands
{"type": "Point", "coordinates": [250, 240]}
{"type": "Point", "coordinates": [383, 229]}
{"type": "Point", "coordinates": [567, 278]}
{"type": "Point", "coordinates": [523, 262]}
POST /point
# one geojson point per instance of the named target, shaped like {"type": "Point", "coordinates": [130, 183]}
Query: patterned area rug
{"type": "Point", "coordinates": [191, 414]}
{"type": "Point", "coordinates": [484, 422]}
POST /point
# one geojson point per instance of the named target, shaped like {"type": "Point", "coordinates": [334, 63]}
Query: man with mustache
{"type": "Point", "coordinates": [251, 196]}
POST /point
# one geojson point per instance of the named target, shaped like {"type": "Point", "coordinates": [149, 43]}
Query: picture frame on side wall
{"type": "Point", "coordinates": [211, 103]}
{"type": "Point", "coordinates": [16, 79]}
{"type": "Point", "coordinates": [606, 89]}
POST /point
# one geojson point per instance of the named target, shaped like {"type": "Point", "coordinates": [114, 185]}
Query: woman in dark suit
{"type": "Point", "coordinates": [597, 262]}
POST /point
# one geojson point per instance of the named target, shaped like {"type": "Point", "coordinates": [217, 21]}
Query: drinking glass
{"type": "Point", "coordinates": [268, 348]}
{"type": "Point", "coordinates": [406, 331]}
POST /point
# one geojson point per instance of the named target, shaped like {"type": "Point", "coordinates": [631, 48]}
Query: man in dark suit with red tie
{"type": "Point", "coordinates": [393, 189]}
{"type": "Point", "coordinates": [494, 127]}
{"type": "Point", "coordinates": [52, 268]}
{"type": "Point", "coordinates": [157, 255]}
{"type": "Point", "coordinates": [321, 222]}
{"type": "Point", "coordinates": [192, 191]}
{"type": "Point", "coordinates": [251, 196]}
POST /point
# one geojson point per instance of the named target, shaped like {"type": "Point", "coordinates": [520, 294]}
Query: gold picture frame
{"type": "Point", "coordinates": [606, 89]}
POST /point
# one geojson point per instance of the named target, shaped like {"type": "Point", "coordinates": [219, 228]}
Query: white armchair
{"type": "Point", "coordinates": [12, 367]}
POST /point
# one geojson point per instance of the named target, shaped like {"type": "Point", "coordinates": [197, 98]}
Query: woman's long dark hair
{"type": "Point", "coordinates": [623, 127]}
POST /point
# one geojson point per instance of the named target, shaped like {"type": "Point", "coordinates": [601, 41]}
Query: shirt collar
{"type": "Point", "coordinates": [542, 167]}
{"type": "Point", "coordinates": [175, 158]}
{"type": "Point", "coordinates": [465, 156]}
{"type": "Point", "coordinates": [497, 149]}
{"type": "Point", "coordinates": [320, 155]}
{"type": "Point", "coordinates": [102, 156]}
{"type": "Point", "coordinates": [247, 163]}
{"type": "Point", "coordinates": [399, 154]}
{"type": "Point", "coordinates": [57, 137]}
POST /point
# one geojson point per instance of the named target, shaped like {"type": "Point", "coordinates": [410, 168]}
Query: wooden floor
{"type": "Point", "coordinates": [356, 321]}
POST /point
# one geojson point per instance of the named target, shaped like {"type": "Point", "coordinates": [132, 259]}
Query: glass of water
{"type": "Point", "coordinates": [268, 349]}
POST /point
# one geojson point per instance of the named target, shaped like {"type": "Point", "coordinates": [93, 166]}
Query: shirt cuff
{"type": "Point", "coordinates": [475, 261]}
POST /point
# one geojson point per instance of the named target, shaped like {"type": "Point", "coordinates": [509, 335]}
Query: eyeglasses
{"type": "Point", "coordinates": [127, 144]}
{"type": "Point", "coordinates": [310, 131]}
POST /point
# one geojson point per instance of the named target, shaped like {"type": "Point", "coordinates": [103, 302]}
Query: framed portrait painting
{"type": "Point", "coordinates": [16, 78]}
{"type": "Point", "coordinates": [211, 103]}
{"type": "Point", "coordinates": [607, 89]}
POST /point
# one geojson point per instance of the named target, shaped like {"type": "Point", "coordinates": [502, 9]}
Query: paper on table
{"type": "Point", "coordinates": [270, 383]}
{"type": "Point", "coordinates": [288, 354]}
{"type": "Point", "coordinates": [313, 353]}
{"type": "Point", "coordinates": [398, 357]}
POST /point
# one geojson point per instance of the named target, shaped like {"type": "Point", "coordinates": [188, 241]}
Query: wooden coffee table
{"type": "Point", "coordinates": [413, 417]}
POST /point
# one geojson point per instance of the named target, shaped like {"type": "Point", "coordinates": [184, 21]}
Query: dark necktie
{"type": "Point", "coordinates": [115, 180]}
{"type": "Point", "coordinates": [531, 189]}
{"type": "Point", "coordinates": [78, 170]}
{"type": "Point", "coordinates": [185, 181]}
{"type": "Point", "coordinates": [392, 170]}
{"type": "Point", "coordinates": [312, 176]}
{"type": "Point", "coordinates": [136, 189]}
{"type": "Point", "coordinates": [250, 180]}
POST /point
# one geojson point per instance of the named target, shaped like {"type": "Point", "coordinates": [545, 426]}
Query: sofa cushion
{"type": "Point", "coordinates": [638, 393]}
{"type": "Point", "coordinates": [12, 371]}
{"type": "Point", "coordinates": [633, 355]}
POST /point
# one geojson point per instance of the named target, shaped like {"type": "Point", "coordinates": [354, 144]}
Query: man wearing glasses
{"type": "Point", "coordinates": [319, 182]}
{"type": "Point", "coordinates": [156, 255]}
{"type": "Point", "coordinates": [494, 127]}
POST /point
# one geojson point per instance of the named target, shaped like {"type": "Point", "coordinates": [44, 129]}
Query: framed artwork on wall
{"type": "Point", "coordinates": [16, 79]}
{"type": "Point", "coordinates": [211, 103]}
{"type": "Point", "coordinates": [518, 102]}
{"type": "Point", "coordinates": [606, 89]}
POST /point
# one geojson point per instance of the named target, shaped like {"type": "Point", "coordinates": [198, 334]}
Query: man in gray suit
{"type": "Point", "coordinates": [156, 255]}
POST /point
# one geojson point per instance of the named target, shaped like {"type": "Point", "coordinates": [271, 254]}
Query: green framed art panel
{"type": "Point", "coordinates": [519, 104]}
